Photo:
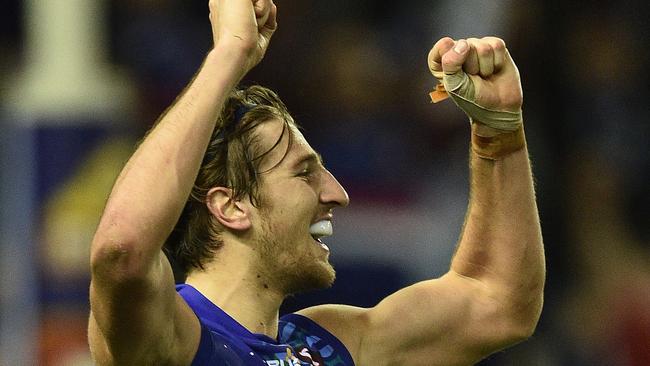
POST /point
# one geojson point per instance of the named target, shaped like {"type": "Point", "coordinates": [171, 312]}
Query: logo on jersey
{"type": "Point", "coordinates": [303, 357]}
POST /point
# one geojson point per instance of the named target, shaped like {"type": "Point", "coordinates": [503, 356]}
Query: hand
{"type": "Point", "coordinates": [243, 26]}
{"type": "Point", "coordinates": [494, 75]}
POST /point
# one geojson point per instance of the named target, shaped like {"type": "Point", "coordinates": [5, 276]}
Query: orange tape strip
{"type": "Point", "coordinates": [498, 146]}
{"type": "Point", "coordinates": [439, 94]}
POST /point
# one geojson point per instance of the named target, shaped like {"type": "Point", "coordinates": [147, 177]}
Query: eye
{"type": "Point", "coordinates": [306, 172]}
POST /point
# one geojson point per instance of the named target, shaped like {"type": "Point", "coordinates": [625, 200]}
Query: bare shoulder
{"type": "Point", "coordinates": [451, 320]}
{"type": "Point", "coordinates": [345, 322]}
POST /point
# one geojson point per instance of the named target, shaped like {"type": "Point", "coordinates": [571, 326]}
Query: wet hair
{"type": "Point", "coordinates": [232, 159]}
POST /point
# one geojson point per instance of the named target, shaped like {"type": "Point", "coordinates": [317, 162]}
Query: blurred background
{"type": "Point", "coordinates": [82, 80]}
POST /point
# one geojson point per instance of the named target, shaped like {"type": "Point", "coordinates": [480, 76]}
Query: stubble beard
{"type": "Point", "coordinates": [290, 266]}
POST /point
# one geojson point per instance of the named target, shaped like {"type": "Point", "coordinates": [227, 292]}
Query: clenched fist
{"type": "Point", "coordinates": [244, 27]}
{"type": "Point", "coordinates": [481, 78]}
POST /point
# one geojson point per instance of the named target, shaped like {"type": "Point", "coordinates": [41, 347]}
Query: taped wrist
{"type": "Point", "coordinates": [460, 88]}
{"type": "Point", "coordinates": [495, 147]}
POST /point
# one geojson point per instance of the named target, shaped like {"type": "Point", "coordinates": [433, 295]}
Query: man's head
{"type": "Point", "coordinates": [262, 183]}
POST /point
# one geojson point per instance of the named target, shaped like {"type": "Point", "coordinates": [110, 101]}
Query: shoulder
{"type": "Point", "coordinates": [344, 323]}
{"type": "Point", "coordinates": [214, 347]}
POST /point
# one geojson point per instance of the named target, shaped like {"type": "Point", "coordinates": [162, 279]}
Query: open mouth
{"type": "Point", "coordinates": [320, 230]}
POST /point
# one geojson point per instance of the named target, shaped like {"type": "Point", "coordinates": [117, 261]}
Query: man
{"type": "Point", "coordinates": [230, 184]}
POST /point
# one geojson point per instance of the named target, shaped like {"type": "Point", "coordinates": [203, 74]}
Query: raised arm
{"type": "Point", "coordinates": [136, 316]}
{"type": "Point", "coordinates": [492, 295]}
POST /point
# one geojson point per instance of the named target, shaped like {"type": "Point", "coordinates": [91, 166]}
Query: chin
{"type": "Point", "coordinates": [326, 280]}
{"type": "Point", "coordinates": [316, 277]}
{"type": "Point", "coordinates": [294, 269]}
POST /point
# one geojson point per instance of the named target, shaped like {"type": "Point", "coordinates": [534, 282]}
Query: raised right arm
{"type": "Point", "coordinates": [136, 316]}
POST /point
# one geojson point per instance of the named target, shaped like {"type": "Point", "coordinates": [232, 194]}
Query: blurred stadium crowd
{"type": "Point", "coordinates": [81, 81]}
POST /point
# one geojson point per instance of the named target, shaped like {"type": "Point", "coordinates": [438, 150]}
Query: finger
{"type": "Point", "coordinates": [271, 23]}
{"type": "Point", "coordinates": [213, 10]}
{"type": "Point", "coordinates": [471, 65]}
{"type": "Point", "coordinates": [213, 20]}
{"type": "Point", "coordinates": [435, 55]}
{"type": "Point", "coordinates": [262, 11]}
{"type": "Point", "coordinates": [453, 60]}
{"type": "Point", "coordinates": [485, 56]}
{"type": "Point", "coordinates": [499, 52]}
{"type": "Point", "coordinates": [262, 8]}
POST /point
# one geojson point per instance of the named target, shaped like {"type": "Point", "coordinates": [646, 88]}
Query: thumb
{"type": "Point", "coordinates": [455, 80]}
{"type": "Point", "coordinates": [452, 60]}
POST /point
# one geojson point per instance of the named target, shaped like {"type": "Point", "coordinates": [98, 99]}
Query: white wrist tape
{"type": "Point", "coordinates": [461, 90]}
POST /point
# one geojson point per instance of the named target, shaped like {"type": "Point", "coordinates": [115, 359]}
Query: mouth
{"type": "Point", "coordinates": [320, 230]}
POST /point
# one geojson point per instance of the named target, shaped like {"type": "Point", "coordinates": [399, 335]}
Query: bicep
{"type": "Point", "coordinates": [452, 320]}
{"type": "Point", "coordinates": [423, 324]}
{"type": "Point", "coordinates": [139, 317]}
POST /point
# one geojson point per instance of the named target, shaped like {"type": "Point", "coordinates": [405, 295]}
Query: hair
{"type": "Point", "coordinates": [232, 160]}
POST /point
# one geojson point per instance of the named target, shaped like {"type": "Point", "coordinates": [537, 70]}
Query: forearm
{"type": "Point", "coordinates": [153, 187]}
{"type": "Point", "coordinates": [501, 243]}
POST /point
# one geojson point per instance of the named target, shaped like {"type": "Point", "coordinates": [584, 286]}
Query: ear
{"type": "Point", "coordinates": [230, 213]}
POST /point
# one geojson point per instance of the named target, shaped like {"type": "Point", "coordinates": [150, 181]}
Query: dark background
{"type": "Point", "coordinates": [354, 75]}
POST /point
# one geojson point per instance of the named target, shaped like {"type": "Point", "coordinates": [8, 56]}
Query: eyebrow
{"type": "Point", "coordinates": [312, 157]}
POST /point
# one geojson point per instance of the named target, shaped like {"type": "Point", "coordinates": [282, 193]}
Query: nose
{"type": "Point", "coordinates": [332, 192]}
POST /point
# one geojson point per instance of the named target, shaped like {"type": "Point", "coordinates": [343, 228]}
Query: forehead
{"type": "Point", "coordinates": [277, 132]}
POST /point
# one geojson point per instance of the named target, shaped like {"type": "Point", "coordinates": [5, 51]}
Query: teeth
{"type": "Point", "coordinates": [321, 228]}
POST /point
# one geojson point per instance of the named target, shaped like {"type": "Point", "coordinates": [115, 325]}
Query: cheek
{"type": "Point", "coordinates": [299, 196]}
{"type": "Point", "coordinates": [308, 190]}
{"type": "Point", "coordinates": [286, 223]}
{"type": "Point", "coordinates": [289, 207]}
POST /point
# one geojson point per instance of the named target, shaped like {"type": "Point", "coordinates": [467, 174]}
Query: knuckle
{"type": "Point", "coordinates": [483, 49]}
{"type": "Point", "coordinates": [498, 44]}
{"type": "Point", "coordinates": [446, 40]}
{"type": "Point", "coordinates": [448, 62]}
{"type": "Point", "coordinates": [441, 44]}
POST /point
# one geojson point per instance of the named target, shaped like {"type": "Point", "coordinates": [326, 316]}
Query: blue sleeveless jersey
{"type": "Point", "coordinates": [225, 342]}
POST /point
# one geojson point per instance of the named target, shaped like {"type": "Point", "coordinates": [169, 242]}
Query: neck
{"type": "Point", "coordinates": [237, 286]}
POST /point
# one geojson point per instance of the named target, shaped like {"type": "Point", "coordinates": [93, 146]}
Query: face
{"type": "Point", "coordinates": [295, 194]}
